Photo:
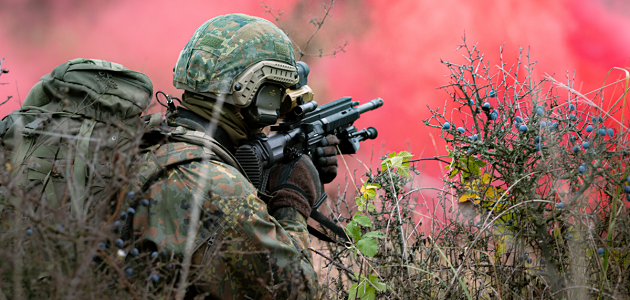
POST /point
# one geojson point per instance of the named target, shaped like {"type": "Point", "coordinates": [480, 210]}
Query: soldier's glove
{"type": "Point", "coordinates": [325, 158]}
{"type": "Point", "coordinates": [296, 185]}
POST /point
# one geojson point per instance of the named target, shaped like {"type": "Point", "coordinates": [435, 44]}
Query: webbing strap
{"type": "Point", "coordinates": [49, 190]}
{"type": "Point", "coordinates": [78, 198]}
{"type": "Point", "coordinates": [18, 167]}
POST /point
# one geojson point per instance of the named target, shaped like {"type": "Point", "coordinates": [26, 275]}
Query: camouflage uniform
{"type": "Point", "coordinates": [240, 251]}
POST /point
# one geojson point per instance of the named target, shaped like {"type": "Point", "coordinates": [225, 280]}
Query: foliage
{"type": "Point", "coordinates": [534, 198]}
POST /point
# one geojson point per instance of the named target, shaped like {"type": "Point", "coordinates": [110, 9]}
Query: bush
{"type": "Point", "coordinates": [540, 197]}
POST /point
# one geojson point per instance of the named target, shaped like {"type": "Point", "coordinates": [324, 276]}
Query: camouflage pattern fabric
{"type": "Point", "coordinates": [240, 251]}
{"type": "Point", "coordinates": [225, 46]}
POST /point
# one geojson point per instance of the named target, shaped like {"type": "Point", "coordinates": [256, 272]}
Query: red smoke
{"type": "Point", "coordinates": [394, 48]}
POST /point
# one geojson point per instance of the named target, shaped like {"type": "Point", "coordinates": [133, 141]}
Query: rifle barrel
{"type": "Point", "coordinates": [374, 104]}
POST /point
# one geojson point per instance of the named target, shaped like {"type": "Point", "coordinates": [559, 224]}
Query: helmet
{"type": "Point", "coordinates": [233, 56]}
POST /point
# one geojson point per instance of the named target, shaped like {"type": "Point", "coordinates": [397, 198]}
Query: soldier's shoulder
{"type": "Point", "coordinates": [199, 167]}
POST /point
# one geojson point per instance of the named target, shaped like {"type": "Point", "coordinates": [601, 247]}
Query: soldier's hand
{"type": "Point", "coordinates": [296, 185]}
{"type": "Point", "coordinates": [325, 158]}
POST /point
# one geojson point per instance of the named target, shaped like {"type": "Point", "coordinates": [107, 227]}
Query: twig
{"type": "Point", "coordinates": [333, 261]}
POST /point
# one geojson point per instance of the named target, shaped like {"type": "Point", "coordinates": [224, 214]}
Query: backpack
{"type": "Point", "coordinates": [76, 126]}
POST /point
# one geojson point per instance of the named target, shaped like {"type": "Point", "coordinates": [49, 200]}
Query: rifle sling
{"type": "Point", "coordinates": [320, 235]}
{"type": "Point", "coordinates": [321, 219]}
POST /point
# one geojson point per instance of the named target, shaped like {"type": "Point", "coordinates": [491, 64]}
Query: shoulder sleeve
{"type": "Point", "coordinates": [234, 222]}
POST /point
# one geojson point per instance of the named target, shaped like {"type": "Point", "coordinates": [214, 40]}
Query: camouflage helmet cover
{"type": "Point", "coordinates": [224, 47]}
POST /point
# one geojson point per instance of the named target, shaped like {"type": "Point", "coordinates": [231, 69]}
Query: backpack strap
{"type": "Point", "coordinates": [203, 139]}
{"type": "Point", "coordinates": [85, 132]}
{"type": "Point", "coordinates": [202, 146]}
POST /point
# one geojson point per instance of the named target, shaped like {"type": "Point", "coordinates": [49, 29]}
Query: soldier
{"type": "Point", "coordinates": [246, 248]}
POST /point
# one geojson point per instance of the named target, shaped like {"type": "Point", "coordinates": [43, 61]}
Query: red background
{"type": "Point", "coordinates": [393, 52]}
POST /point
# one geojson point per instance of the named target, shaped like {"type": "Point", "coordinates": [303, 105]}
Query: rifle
{"type": "Point", "coordinates": [300, 133]}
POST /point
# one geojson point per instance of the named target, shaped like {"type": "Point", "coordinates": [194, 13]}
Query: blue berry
{"type": "Point", "coordinates": [102, 245]}
{"type": "Point", "coordinates": [570, 237]}
{"type": "Point", "coordinates": [154, 254]}
{"type": "Point", "coordinates": [129, 271]}
{"type": "Point", "coordinates": [59, 227]}
{"type": "Point", "coordinates": [155, 278]}
{"type": "Point", "coordinates": [29, 232]}
{"type": "Point", "coordinates": [582, 169]}
{"type": "Point", "coordinates": [571, 107]}
{"type": "Point", "coordinates": [144, 202]}
{"type": "Point", "coordinates": [492, 94]}
{"type": "Point", "coordinates": [447, 125]}
{"type": "Point", "coordinates": [335, 220]}
{"type": "Point", "coordinates": [471, 102]}
{"type": "Point", "coordinates": [572, 139]}
{"type": "Point", "coordinates": [585, 145]}
{"type": "Point", "coordinates": [589, 128]}
{"type": "Point", "coordinates": [572, 117]}
{"type": "Point", "coordinates": [628, 179]}
{"type": "Point", "coordinates": [118, 224]}
{"type": "Point", "coordinates": [529, 260]}
{"type": "Point", "coordinates": [510, 222]}
{"type": "Point", "coordinates": [169, 266]}
{"type": "Point", "coordinates": [461, 129]}
{"type": "Point", "coordinates": [475, 137]}
{"type": "Point", "coordinates": [576, 149]}
{"type": "Point", "coordinates": [560, 205]}
{"type": "Point", "coordinates": [479, 224]}
{"type": "Point", "coordinates": [130, 194]}
{"type": "Point", "coordinates": [602, 131]}
{"type": "Point", "coordinates": [611, 132]}
{"type": "Point", "coordinates": [540, 110]}
{"type": "Point", "coordinates": [537, 139]}
{"type": "Point", "coordinates": [522, 128]}
{"type": "Point", "coordinates": [628, 197]}
{"type": "Point", "coordinates": [537, 147]}
{"type": "Point", "coordinates": [518, 119]}
{"type": "Point", "coordinates": [134, 252]}
{"type": "Point", "coordinates": [494, 115]}
{"type": "Point", "coordinates": [600, 251]}
{"type": "Point", "coordinates": [163, 253]}
{"type": "Point", "coordinates": [436, 258]}
{"type": "Point", "coordinates": [626, 189]}
{"type": "Point", "coordinates": [131, 211]}
{"type": "Point", "coordinates": [119, 243]}
{"type": "Point", "coordinates": [486, 105]}
{"type": "Point", "coordinates": [554, 125]}
{"type": "Point", "coordinates": [123, 215]}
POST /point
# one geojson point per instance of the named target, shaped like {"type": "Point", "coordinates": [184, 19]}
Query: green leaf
{"type": "Point", "coordinates": [368, 247]}
{"type": "Point", "coordinates": [353, 291]}
{"type": "Point", "coordinates": [374, 234]}
{"type": "Point", "coordinates": [353, 230]}
{"type": "Point", "coordinates": [362, 219]}
{"type": "Point", "coordinates": [404, 171]}
{"type": "Point", "coordinates": [360, 203]}
{"type": "Point", "coordinates": [370, 293]}
{"type": "Point", "coordinates": [380, 286]}
{"type": "Point", "coordinates": [371, 207]}
{"type": "Point", "coordinates": [405, 154]}
{"type": "Point", "coordinates": [396, 162]}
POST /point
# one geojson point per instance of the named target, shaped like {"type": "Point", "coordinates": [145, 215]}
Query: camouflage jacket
{"type": "Point", "coordinates": [241, 252]}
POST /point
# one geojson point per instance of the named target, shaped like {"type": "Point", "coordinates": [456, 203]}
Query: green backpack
{"type": "Point", "coordinates": [77, 126]}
